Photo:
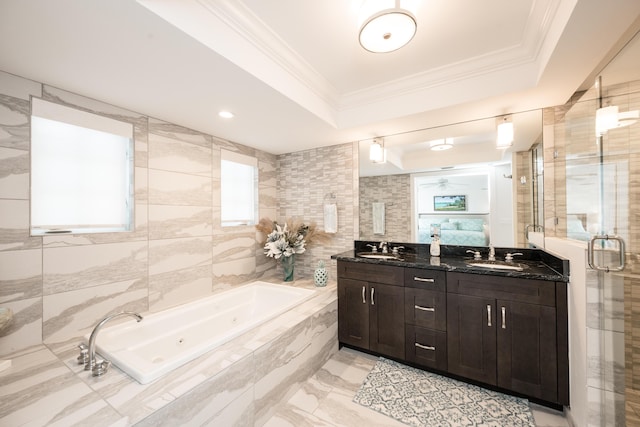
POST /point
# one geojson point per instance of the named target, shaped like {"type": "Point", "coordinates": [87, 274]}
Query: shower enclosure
{"type": "Point", "coordinates": [594, 176]}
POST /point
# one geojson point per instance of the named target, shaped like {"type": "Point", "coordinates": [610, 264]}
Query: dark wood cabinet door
{"type": "Point", "coordinates": [527, 349]}
{"type": "Point", "coordinates": [353, 312]}
{"type": "Point", "coordinates": [471, 337]}
{"type": "Point", "coordinates": [386, 310]}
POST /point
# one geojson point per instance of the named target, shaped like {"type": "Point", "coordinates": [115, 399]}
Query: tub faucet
{"type": "Point", "coordinates": [102, 367]}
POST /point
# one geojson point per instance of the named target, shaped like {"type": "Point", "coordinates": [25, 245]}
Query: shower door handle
{"type": "Point", "coordinates": [591, 250]}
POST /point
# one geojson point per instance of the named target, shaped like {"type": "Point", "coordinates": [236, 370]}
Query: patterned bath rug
{"type": "Point", "coordinates": [423, 399]}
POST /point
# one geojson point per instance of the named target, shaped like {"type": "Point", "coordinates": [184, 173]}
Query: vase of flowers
{"type": "Point", "coordinates": [287, 267]}
{"type": "Point", "coordinates": [286, 240]}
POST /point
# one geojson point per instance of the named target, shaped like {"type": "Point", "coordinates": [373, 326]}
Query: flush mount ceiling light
{"type": "Point", "coordinates": [505, 132]}
{"type": "Point", "coordinates": [608, 118]}
{"type": "Point", "coordinates": [226, 114]}
{"type": "Point", "coordinates": [376, 151]}
{"type": "Point", "coordinates": [386, 25]}
{"type": "Point", "coordinates": [441, 144]}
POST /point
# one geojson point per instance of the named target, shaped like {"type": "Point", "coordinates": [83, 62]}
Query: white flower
{"type": "Point", "coordinates": [282, 242]}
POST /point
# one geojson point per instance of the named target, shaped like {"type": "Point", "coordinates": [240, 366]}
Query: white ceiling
{"type": "Point", "coordinates": [292, 70]}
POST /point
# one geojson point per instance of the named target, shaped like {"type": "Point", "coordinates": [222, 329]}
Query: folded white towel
{"type": "Point", "coordinates": [331, 218]}
{"type": "Point", "coordinates": [378, 218]}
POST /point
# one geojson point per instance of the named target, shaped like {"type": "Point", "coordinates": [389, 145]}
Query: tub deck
{"type": "Point", "coordinates": [241, 382]}
{"type": "Point", "coordinates": [168, 339]}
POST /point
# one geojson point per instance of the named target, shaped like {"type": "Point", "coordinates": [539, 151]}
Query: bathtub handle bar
{"type": "Point", "coordinates": [364, 297]}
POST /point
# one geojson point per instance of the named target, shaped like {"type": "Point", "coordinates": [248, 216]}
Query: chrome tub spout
{"type": "Point", "coordinates": [102, 367]}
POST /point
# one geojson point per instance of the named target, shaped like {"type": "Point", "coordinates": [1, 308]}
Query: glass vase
{"type": "Point", "coordinates": [287, 267]}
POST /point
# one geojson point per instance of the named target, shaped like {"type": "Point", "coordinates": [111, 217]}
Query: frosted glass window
{"type": "Point", "coordinates": [81, 171]}
{"type": "Point", "coordinates": [239, 195]}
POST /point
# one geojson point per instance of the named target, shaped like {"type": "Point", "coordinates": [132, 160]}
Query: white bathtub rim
{"type": "Point", "coordinates": [152, 374]}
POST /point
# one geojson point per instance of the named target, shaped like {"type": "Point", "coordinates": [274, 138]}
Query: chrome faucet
{"type": "Point", "coordinates": [99, 368]}
{"type": "Point", "coordinates": [383, 247]}
{"type": "Point", "coordinates": [492, 253]}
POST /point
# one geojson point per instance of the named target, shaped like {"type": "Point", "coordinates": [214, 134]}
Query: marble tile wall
{"type": "Point", "coordinates": [59, 287]}
{"type": "Point", "coordinates": [395, 192]}
{"type": "Point", "coordinates": [305, 181]}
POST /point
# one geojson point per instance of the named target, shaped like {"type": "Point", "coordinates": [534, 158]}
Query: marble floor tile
{"type": "Point", "coordinates": [326, 399]}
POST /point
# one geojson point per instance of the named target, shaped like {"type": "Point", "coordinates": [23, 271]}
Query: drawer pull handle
{"type": "Point", "coordinates": [364, 298]}
{"type": "Point", "coordinates": [419, 307]}
{"type": "Point", "coordinates": [425, 347]}
{"type": "Point", "coordinates": [422, 279]}
{"type": "Point", "coordinates": [504, 318]}
{"type": "Point", "coordinates": [372, 292]}
{"type": "Point", "coordinates": [489, 315]}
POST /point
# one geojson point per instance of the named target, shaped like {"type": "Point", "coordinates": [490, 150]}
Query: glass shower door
{"type": "Point", "coordinates": [601, 176]}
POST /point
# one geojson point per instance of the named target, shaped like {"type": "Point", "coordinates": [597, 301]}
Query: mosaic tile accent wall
{"type": "Point", "coordinates": [306, 180]}
{"type": "Point", "coordinates": [60, 286]}
{"type": "Point", "coordinates": [395, 192]}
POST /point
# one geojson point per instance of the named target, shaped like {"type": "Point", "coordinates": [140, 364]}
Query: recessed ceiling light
{"type": "Point", "coordinates": [226, 114]}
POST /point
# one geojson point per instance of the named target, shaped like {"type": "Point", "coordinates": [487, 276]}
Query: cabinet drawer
{"type": "Point", "coordinates": [498, 287]}
{"type": "Point", "coordinates": [426, 347]}
{"type": "Point", "coordinates": [387, 274]}
{"type": "Point", "coordinates": [433, 280]}
{"type": "Point", "coordinates": [425, 308]}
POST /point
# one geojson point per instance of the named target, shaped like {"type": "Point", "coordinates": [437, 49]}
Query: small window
{"type": "Point", "coordinates": [239, 195]}
{"type": "Point", "coordinates": [81, 171]}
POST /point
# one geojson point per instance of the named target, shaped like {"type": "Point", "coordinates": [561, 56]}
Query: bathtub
{"type": "Point", "coordinates": [168, 339]}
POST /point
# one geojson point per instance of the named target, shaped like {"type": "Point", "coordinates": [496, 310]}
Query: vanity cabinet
{"type": "Point", "coordinates": [507, 332]}
{"type": "Point", "coordinates": [425, 314]}
{"type": "Point", "coordinates": [371, 307]}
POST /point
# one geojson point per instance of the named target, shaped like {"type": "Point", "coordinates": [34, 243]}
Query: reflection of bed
{"type": "Point", "coordinates": [455, 231]}
{"type": "Point", "coordinates": [575, 228]}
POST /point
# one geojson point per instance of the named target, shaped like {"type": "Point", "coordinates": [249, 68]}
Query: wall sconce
{"type": "Point", "coordinates": [377, 151]}
{"type": "Point", "coordinates": [608, 118]}
{"type": "Point", "coordinates": [386, 25]}
{"type": "Point", "coordinates": [505, 132]}
{"type": "Point", "coordinates": [441, 144]}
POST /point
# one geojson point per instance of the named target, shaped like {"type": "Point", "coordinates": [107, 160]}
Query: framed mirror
{"type": "Point", "coordinates": [455, 177]}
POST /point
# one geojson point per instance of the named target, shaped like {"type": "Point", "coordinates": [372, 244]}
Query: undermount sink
{"type": "Point", "coordinates": [374, 255]}
{"type": "Point", "coordinates": [497, 265]}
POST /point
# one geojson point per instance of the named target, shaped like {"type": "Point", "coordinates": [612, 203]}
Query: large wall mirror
{"type": "Point", "coordinates": [477, 194]}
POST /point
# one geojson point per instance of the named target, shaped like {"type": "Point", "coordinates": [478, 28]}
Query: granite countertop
{"type": "Point", "coordinates": [536, 267]}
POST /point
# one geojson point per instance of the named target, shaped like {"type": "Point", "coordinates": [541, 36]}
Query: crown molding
{"type": "Point", "coordinates": [243, 38]}
{"type": "Point", "coordinates": [527, 54]}
{"type": "Point", "coordinates": [238, 17]}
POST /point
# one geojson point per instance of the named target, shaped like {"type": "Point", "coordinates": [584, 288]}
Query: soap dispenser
{"type": "Point", "coordinates": [435, 245]}
{"type": "Point", "coordinates": [434, 248]}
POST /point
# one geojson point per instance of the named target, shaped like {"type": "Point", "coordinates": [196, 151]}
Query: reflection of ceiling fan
{"type": "Point", "coordinates": [442, 184]}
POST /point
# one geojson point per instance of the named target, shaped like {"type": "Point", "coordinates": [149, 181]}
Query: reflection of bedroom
{"type": "Point", "coordinates": [459, 204]}
{"type": "Point", "coordinates": [584, 214]}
